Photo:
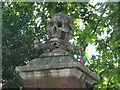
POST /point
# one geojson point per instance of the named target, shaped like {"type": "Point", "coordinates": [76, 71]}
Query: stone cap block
{"type": "Point", "coordinates": [31, 68]}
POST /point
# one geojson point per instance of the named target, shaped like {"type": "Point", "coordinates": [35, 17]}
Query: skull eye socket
{"type": "Point", "coordinates": [59, 24]}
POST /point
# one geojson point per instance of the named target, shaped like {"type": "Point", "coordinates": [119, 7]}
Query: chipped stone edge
{"type": "Point", "coordinates": [61, 65]}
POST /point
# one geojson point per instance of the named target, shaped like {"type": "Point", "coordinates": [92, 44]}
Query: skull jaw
{"type": "Point", "coordinates": [55, 43]}
{"type": "Point", "coordinates": [58, 44]}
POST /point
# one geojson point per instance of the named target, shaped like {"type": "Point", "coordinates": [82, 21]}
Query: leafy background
{"type": "Point", "coordinates": [23, 22]}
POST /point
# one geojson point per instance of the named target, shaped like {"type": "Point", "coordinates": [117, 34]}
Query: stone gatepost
{"type": "Point", "coordinates": [57, 68]}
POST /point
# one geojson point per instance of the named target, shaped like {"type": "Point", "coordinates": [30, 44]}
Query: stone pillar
{"type": "Point", "coordinates": [56, 72]}
{"type": "Point", "coordinates": [57, 68]}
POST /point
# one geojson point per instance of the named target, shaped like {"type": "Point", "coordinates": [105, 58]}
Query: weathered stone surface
{"type": "Point", "coordinates": [56, 60]}
{"type": "Point", "coordinates": [56, 82]}
{"type": "Point", "coordinates": [54, 67]}
{"type": "Point", "coordinates": [54, 53]}
{"type": "Point", "coordinates": [60, 31]}
{"type": "Point", "coordinates": [41, 67]}
{"type": "Point", "coordinates": [49, 74]}
{"type": "Point", "coordinates": [57, 68]}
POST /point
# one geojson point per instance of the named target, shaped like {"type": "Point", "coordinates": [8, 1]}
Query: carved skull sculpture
{"type": "Point", "coordinates": [60, 28]}
{"type": "Point", "coordinates": [60, 31]}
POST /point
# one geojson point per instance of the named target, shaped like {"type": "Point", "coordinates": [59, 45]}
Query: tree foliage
{"type": "Point", "coordinates": [24, 22]}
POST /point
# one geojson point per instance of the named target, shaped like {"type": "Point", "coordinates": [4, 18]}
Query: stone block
{"type": "Point", "coordinates": [68, 74]}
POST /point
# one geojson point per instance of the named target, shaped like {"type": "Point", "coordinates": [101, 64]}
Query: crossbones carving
{"type": "Point", "coordinates": [60, 31]}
